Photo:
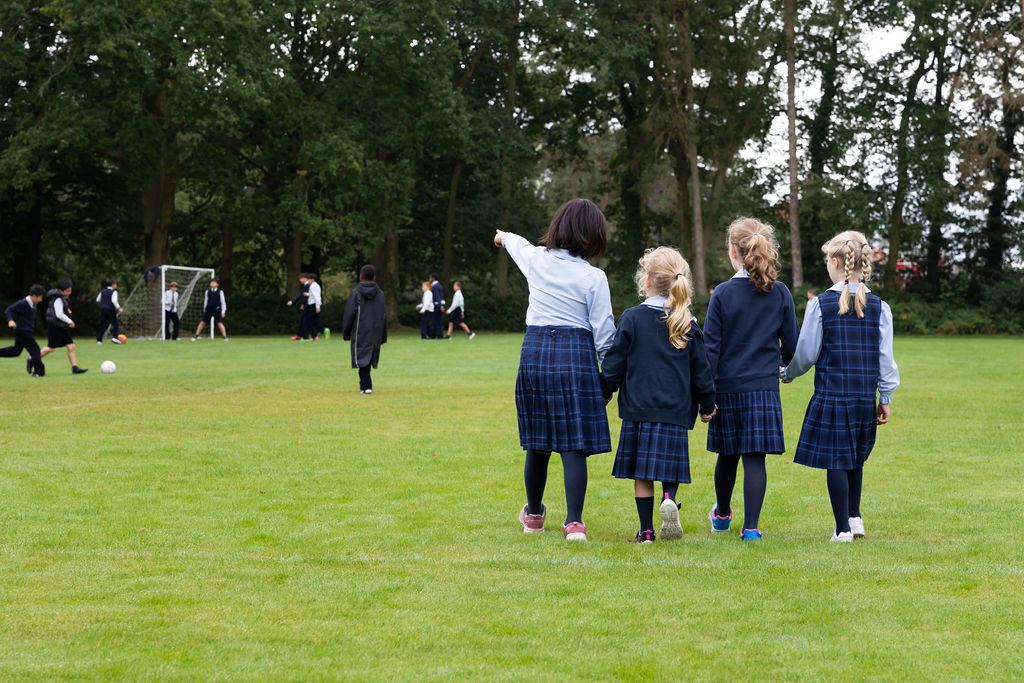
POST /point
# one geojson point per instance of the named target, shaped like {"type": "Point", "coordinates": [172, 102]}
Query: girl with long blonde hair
{"type": "Point", "coordinates": [847, 336]}
{"type": "Point", "coordinates": [751, 330]}
{"type": "Point", "coordinates": [658, 365]}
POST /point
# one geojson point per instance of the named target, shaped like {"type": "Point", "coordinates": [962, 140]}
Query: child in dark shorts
{"type": "Point", "coordinates": [59, 324]}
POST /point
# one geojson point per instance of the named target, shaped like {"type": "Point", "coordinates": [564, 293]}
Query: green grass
{"type": "Point", "coordinates": [239, 511]}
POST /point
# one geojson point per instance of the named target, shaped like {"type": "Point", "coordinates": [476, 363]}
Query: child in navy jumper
{"type": "Point", "coordinates": [21, 317]}
{"type": "Point", "coordinates": [569, 328]}
{"type": "Point", "coordinates": [59, 324]}
{"type": "Point", "coordinates": [658, 364]}
{"type": "Point", "coordinates": [109, 308]}
{"type": "Point", "coordinates": [852, 354]}
{"type": "Point", "coordinates": [751, 331]}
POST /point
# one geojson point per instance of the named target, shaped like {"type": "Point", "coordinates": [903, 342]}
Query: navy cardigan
{"type": "Point", "coordinates": [749, 335]}
{"type": "Point", "coordinates": [659, 383]}
{"type": "Point", "coordinates": [23, 314]}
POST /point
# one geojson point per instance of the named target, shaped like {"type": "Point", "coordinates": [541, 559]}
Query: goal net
{"type": "Point", "coordinates": [143, 316]}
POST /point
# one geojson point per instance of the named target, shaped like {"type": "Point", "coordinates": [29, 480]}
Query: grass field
{"type": "Point", "coordinates": [239, 511]}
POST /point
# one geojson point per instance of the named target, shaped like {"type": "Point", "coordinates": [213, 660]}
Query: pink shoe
{"type": "Point", "coordinates": [533, 524]}
{"type": "Point", "coordinates": [574, 531]}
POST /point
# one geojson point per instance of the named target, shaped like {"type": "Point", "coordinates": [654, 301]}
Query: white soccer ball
{"type": "Point", "coordinates": [107, 367]}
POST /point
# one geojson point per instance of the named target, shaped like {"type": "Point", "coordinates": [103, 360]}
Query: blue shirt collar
{"type": "Point", "coordinates": [741, 274]}
{"type": "Point", "coordinates": [854, 286]}
{"type": "Point", "coordinates": [658, 302]}
{"type": "Point", "coordinates": [565, 255]}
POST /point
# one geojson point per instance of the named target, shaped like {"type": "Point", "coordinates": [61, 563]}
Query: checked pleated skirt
{"type": "Point", "coordinates": [653, 451]}
{"type": "Point", "coordinates": [838, 432]}
{"type": "Point", "coordinates": [747, 422]}
{"type": "Point", "coordinates": [559, 404]}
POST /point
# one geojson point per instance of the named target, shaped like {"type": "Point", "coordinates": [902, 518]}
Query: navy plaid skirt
{"type": "Point", "coordinates": [654, 451]}
{"type": "Point", "coordinates": [838, 432]}
{"type": "Point", "coordinates": [747, 422]}
{"type": "Point", "coordinates": [559, 402]}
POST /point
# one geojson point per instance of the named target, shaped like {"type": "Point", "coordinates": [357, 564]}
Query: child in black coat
{"type": "Point", "coordinates": [21, 317]}
{"type": "Point", "coordinates": [366, 325]}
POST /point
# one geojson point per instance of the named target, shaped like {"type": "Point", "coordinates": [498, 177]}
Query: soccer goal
{"type": "Point", "coordinates": [143, 316]}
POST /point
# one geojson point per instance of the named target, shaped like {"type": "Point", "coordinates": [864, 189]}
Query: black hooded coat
{"type": "Point", "coordinates": [365, 323]}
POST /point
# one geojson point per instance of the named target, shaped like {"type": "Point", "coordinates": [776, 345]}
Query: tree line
{"type": "Point", "coordinates": [267, 138]}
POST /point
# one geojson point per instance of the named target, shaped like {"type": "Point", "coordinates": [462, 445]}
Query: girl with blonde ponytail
{"type": "Point", "coordinates": [852, 355]}
{"type": "Point", "coordinates": [751, 330]}
{"type": "Point", "coordinates": [658, 365]}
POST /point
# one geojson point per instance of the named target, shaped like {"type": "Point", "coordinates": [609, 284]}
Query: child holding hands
{"type": "Point", "coordinates": [751, 331]}
{"type": "Point", "coordinates": [658, 363]}
{"type": "Point", "coordinates": [847, 336]}
{"type": "Point", "coordinates": [569, 328]}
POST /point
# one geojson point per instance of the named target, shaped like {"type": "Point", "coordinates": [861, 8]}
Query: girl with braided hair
{"type": "Point", "coordinates": [847, 336]}
{"type": "Point", "coordinates": [751, 331]}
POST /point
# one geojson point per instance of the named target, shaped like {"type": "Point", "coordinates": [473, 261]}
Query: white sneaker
{"type": "Point", "coordinates": [225, 338]}
{"type": "Point", "coordinates": [842, 537]}
{"type": "Point", "coordinates": [100, 343]}
{"type": "Point", "coordinates": [366, 391]}
{"type": "Point", "coordinates": [472, 334]}
{"type": "Point", "coordinates": [671, 529]}
{"type": "Point", "coordinates": [857, 527]}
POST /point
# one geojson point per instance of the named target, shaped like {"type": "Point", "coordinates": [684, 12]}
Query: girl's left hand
{"type": "Point", "coordinates": [883, 413]}
{"type": "Point", "coordinates": [707, 418]}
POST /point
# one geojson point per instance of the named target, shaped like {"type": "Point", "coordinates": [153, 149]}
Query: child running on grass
{"type": "Point", "coordinates": [457, 311]}
{"type": "Point", "coordinates": [749, 317]}
{"type": "Point", "coordinates": [21, 317]}
{"type": "Point", "coordinates": [658, 363]}
{"type": "Point", "coordinates": [852, 354]}
{"type": "Point", "coordinates": [569, 327]}
{"type": "Point", "coordinates": [59, 324]}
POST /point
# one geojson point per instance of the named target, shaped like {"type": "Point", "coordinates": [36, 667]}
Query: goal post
{"type": "Point", "coordinates": [143, 316]}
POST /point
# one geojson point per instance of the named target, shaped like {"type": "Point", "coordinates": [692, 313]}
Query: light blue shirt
{"type": "Point", "coordinates": [565, 290]}
{"type": "Point", "coordinates": [808, 348]}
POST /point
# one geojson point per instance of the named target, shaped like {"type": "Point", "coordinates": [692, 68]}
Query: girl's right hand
{"type": "Point", "coordinates": [883, 413]}
{"type": "Point", "coordinates": [498, 235]}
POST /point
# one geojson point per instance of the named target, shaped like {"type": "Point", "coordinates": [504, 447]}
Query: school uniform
{"type": "Point", "coordinates": [216, 306]}
{"type": "Point", "coordinates": [107, 299]}
{"type": "Point", "coordinates": [310, 318]}
{"type": "Point", "coordinates": [172, 322]}
{"type": "Point", "coordinates": [437, 315]}
{"type": "Point", "coordinates": [23, 313]}
{"type": "Point", "coordinates": [457, 310]}
{"type": "Point", "coordinates": [366, 325]}
{"type": "Point", "coordinates": [660, 389]}
{"type": "Point", "coordinates": [749, 335]}
{"type": "Point", "coordinates": [853, 359]}
{"type": "Point", "coordinates": [569, 328]}
{"type": "Point", "coordinates": [300, 301]}
{"type": "Point", "coordinates": [58, 322]}
{"type": "Point", "coordinates": [426, 315]}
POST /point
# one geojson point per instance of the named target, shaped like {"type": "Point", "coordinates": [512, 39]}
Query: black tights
{"type": "Point", "coordinates": [844, 488]}
{"type": "Point", "coordinates": [535, 474]}
{"type": "Point", "coordinates": [755, 483]}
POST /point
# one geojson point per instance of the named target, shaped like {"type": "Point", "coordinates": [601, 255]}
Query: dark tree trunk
{"type": "Point", "coordinates": [997, 239]}
{"type": "Point", "coordinates": [158, 192]}
{"type": "Point", "coordinates": [449, 224]}
{"type": "Point", "coordinates": [506, 175]}
{"type": "Point", "coordinates": [293, 244]}
{"type": "Point", "coordinates": [902, 173]}
{"type": "Point", "coordinates": [225, 275]}
{"type": "Point", "coordinates": [794, 188]}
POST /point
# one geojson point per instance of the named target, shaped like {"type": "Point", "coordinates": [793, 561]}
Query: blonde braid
{"type": "Point", "coordinates": [844, 296]}
{"type": "Point", "coordinates": [861, 301]}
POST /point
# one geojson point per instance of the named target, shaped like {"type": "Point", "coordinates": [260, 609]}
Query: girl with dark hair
{"type": "Point", "coordinates": [569, 327]}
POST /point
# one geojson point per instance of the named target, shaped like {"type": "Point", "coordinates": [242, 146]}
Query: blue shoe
{"type": "Point", "coordinates": [719, 525]}
{"type": "Point", "coordinates": [750, 535]}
